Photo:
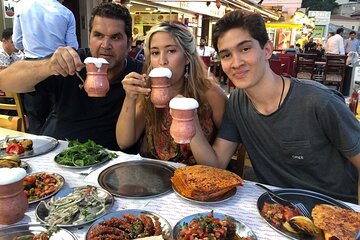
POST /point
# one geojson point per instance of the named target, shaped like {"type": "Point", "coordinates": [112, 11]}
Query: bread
{"type": "Point", "coordinates": [203, 182]}
{"type": "Point", "coordinates": [337, 223]}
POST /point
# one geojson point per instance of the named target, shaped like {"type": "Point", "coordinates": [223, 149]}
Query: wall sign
{"type": "Point", "coordinates": [9, 7]}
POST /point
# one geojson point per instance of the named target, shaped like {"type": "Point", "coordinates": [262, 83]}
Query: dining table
{"type": "Point", "coordinates": [242, 206]}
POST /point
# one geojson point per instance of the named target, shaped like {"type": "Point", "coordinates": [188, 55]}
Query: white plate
{"type": "Point", "coordinates": [165, 226]}
{"type": "Point", "coordinates": [41, 145]}
{"type": "Point", "coordinates": [241, 229]}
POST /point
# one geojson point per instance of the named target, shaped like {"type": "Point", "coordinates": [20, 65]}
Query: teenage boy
{"type": "Point", "coordinates": [298, 134]}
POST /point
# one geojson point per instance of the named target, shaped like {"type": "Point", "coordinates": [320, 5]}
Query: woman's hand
{"type": "Point", "coordinates": [135, 84]}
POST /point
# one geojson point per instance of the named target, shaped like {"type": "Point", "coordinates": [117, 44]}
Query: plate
{"type": "Point", "coordinates": [241, 229]}
{"type": "Point", "coordinates": [226, 196]}
{"type": "Point", "coordinates": [13, 231]}
{"type": "Point", "coordinates": [306, 197]}
{"type": "Point", "coordinates": [105, 158]}
{"type": "Point", "coordinates": [60, 183]}
{"type": "Point", "coordinates": [41, 145]}
{"type": "Point", "coordinates": [165, 226]}
{"type": "Point", "coordinates": [137, 179]}
{"type": "Point", "coordinates": [42, 211]}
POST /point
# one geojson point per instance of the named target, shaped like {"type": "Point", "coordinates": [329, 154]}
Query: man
{"type": "Point", "coordinates": [298, 134]}
{"type": "Point", "coordinates": [292, 50]}
{"type": "Point", "coordinates": [352, 44]}
{"type": "Point", "coordinates": [8, 52]}
{"type": "Point", "coordinates": [138, 52]}
{"type": "Point", "coordinates": [40, 27]}
{"type": "Point", "coordinates": [205, 51]}
{"type": "Point", "coordinates": [335, 44]}
{"type": "Point", "coordinates": [75, 115]}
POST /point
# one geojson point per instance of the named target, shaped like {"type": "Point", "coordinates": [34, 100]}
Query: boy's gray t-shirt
{"type": "Point", "coordinates": [304, 144]}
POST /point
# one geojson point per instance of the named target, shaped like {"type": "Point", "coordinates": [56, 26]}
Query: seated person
{"type": "Point", "coordinates": [291, 50]}
{"type": "Point", "coordinates": [169, 45]}
{"type": "Point", "coordinates": [75, 115]}
{"type": "Point", "coordinates": [298, 134]}
{"type": "Point", "coordinates": [138, 51]}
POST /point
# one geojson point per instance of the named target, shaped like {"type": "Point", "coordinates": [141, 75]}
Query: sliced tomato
{"type": "Point", "coordinates": [14, 148]}
{"type": "Point", "coordinates": [29, 180]}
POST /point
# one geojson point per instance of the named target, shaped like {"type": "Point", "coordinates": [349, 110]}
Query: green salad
{"type": "Point", "coordinates": [83, 154]}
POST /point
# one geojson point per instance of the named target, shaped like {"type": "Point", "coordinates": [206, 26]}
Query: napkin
{"type": "Point", "coordinates": [122, 157]}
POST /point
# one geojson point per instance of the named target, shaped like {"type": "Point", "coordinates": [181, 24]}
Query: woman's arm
{"type": "Point", "coordinates": [131, 121]}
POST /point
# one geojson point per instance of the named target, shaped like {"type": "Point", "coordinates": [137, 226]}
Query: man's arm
{"type": "Point", "coordinates": [22, 76]}
{"type": "Point", "coordinates": [218, 155]}
{"type": "Point", "coordinates": [17, 34]}
{"type": "Point", "coordinates": [356, 161]}
{"type": "Point", "coordinates": [70, 37]}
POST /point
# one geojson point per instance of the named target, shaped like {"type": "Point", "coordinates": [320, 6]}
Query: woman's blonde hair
{"type": "Point", "coordinates": [195, 85]}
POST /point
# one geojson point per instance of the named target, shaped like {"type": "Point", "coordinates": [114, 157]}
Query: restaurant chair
{"type": "Point", "coordinates": [10, 122]}
{"type": "Point", "coordinates": [276, 66]}
{"type": "Point", "coordinates": [237, 163]}
{"type": "Point", "coordinates": [305, 66]}
{"type": "Point", "coordinates": [334, 71]}
{"type": "Point", "coordinates": [11, 102]}
{"type": "Point", "coordinates": [290, 69]}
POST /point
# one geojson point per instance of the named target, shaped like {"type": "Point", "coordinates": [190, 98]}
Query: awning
{"type": "Point", "coordinates": [254, 7]}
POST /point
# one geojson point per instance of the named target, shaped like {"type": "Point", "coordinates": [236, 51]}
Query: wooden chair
{"type": "Point", "coordinates": [275, 65]}
{"type": "Point", "coordinates": [12, 101]}
{"type": "Point", "coordinates": [334, 71]}
{"type": "Point", "coordinates": [237, 165]}
{"type": "Point", "coordinates": [290, 69]}
{"type": "Point", "coordinates": [10, 122]}
{"type": "Point", "coordinates": [305, 66]}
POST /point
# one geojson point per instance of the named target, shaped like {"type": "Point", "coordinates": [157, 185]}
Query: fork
{"type": "Point", "coordinates": [276, 198]}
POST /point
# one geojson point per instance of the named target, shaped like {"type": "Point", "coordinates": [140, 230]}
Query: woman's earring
{"type": "Point", "coordinates": [186, 75]}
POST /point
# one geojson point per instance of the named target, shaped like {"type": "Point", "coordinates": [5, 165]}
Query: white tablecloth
{"type": "Point", "coordinates": [242, 206]}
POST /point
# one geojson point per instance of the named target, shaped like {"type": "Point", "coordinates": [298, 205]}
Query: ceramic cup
{"type": "Point", "coordinates": [183, 128]}
{"type": "Point", "coordinates": [96, 82]}
{"type": "Point", "coordinates": [160, 87]}
{"type": "Point", "coordinates": [13, 202]}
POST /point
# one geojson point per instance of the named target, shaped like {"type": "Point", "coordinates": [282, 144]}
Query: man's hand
{"type": "Point", "coordinates": [65, 61]}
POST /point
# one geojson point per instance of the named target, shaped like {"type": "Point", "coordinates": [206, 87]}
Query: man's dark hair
{"type": "Point", "coordinates": [7, 33]}
{"type": "Point", "coordinates": [352, 32]}
{"type": "Point", "coordinates": [114, 11]}
{"type": "Point", "coordinates": [138, 42]}
{"type": "Point", "coordinates": [339, 30]}
{"type": "Point", "coordinates": [251, 22]}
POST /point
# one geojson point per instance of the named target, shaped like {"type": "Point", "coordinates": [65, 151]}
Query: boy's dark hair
{"type": "Point", "coordinates": [7, 33]}
{"type": "Point", "coordinates": [352, 32]}
{"type": "Point", "coordinates": [339, 30]}
{"type": "Point", "coordinates": [114, 11]}
{"type": "Point", "coordinates": [251, 22]}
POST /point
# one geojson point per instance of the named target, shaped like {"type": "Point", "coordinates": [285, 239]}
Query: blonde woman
{"type": "Point", "coordinates": [169, 45]}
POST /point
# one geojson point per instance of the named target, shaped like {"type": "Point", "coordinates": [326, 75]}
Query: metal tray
{"type": "Point", "coordinates": [308, 198]}
{"type": "Point", "coordinates": [241, 229]}
{"type": "Point", "coordinates": [42, 211]}
{"type": "Point", "coordinates": [13, 231]}
{"type": "Point", "coordinates": [165, 226]}
{"type": "Point", "coordinates": [41, 145]}
{"type": "Point", "coordinates": [137, 179]}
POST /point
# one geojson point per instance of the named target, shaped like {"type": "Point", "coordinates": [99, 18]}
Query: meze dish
{"type": "Point", "coordinates": [34, 231]}
{"type": "Point", "coordinates": [12, 161]}
{"type": "Point", "coordinates": [210, 225]}
{"type": "Point", "coordinates": [130, 224]}
{"type": "Point", "coordinates": [204, 183]}
{"type": "Point", "coordinates": [290, 222]}
{"type": "Point", "coordinates": [27, 147]}
{"type": "Point", "coordinates": [80, 155]}
{"type": "Point", "coordinates": [38, 186]}
{"type": "Point", "coordinates": [75, 207]}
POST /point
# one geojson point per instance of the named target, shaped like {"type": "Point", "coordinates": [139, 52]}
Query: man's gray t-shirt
{"type": "Point", "coordinates": [305, 144]}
